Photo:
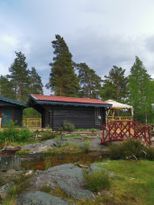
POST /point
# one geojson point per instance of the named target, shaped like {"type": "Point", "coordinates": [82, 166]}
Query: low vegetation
{"type": "Point", "coordinates": [131, 149]}
{"type": "Point", "coordinates": [12, 134]}
{"type": "Point", "coordinates": [97, 181]}
{"type": "Point", "coordinates": [68, 126]}
{"type": "Point", "coordinates": [45, 135]}
{"type": "Point", "coordinates": [131, 182]}
{"type": "Point", "coordinates": [21, 183]}
{"type": "Point", "coordinates": [85, 147]}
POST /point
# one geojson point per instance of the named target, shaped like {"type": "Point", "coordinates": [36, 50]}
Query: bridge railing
{"type": "Point", "coordinates": [115, 118]}
{"type": "Point", "coordinates": [121, 130]}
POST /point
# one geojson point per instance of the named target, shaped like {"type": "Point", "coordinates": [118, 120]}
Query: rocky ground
{"type": "Point", "coordinates": [68, 178]}
{"type": "Point", "coordinates": [92, 142]}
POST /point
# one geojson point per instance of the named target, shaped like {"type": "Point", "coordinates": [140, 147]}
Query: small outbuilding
{"type": "Point", "coordinates": [10, 111]}
{"type": "Point", "coordinates": [82, 112]}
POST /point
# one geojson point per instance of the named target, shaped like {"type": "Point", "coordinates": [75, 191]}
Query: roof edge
{"type": "Point", "coordinates": [67, 99]}
{"type": "Point", "coordinates": [12, 101]}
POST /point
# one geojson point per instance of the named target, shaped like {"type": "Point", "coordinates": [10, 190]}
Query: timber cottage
{"type": "Point", "coordinates": [82, 112]}
{"type": "Point", "coordinates": [10, 111]}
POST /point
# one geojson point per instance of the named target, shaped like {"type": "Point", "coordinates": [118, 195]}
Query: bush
{"type": "Point", "coordinates": [23, 135]}
{"type": "Point", "coordinates": [85, 147]}
{"type": "Point", "coordinates": [130, 149]}
{"type": "Point", "coordinates": [68, 126]}
{"type": "Point", "coordinates": [48, 134]}
{"type": "Point", "coordinates": [31, 113]}
{"type": "Point", "coordinates": [12, 134]}
{"type": "Point", "coordinates": [150, 153]}
{"type": "Point", "coordinates": [97, 181]}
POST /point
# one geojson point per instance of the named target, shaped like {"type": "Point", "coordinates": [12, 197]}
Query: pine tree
{"type": "Point", "coordinates": [19, 76]}
{"type": "Point", "coordinates": [6, 87]}
{"type": "Point", "coordinates": [36, 86]}
{"type": "Point", "coordinates": [63, 80]}
{"type": "Point", "coordinates": [90, 82]}
{"type": "Point", "coordinates": [139, 90]}
{"type": "Point", "coordinates": [115, 85]}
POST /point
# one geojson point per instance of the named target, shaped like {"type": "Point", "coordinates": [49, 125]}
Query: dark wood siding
{"type": "Point", "coordinates": [81, 117]}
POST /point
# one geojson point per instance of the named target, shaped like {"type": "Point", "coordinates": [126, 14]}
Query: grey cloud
{"type": "Point", "coordinates": [101, 33]}
{"type": "Point", "coordinates": [149, 43]}
{"type": "Point", "coordinates": [102, 52]}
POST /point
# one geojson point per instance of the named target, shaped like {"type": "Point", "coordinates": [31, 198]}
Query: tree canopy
{"type": "Point", "coordinates": [6, 87]}
{"type": "Point", "coordinates": [90, 82]}
{"type": "Point", "coordinates": [19, 76]}
{"type": "Point", "coordinates": [63, 79]}
{"type": "Point", "coordinates": [36, 86]}
{"type": "Point", "coordinates": [115, 85]}
{"type": "Point", "coordinates": [20, 82]}
{"type": "Point", "coordinates": [139, 90]}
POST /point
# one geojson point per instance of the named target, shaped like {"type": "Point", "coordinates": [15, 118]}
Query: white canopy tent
{"type": "Point", "coordinates": [119, 106]}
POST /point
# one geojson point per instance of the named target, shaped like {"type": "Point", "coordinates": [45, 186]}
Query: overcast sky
{"type": "Point", "coordinates": [101, 33]}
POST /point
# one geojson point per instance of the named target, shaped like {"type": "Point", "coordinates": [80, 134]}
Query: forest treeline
{"type": "Point", "coordinates": [69, 78]}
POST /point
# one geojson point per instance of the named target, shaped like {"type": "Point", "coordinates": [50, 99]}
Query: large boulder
{"type": "Point", "coordinates": [68, 177]}
{"type": "Point", "coordinates": [39, 198]}
{"type": "Point", "coordinates": [40, 147]}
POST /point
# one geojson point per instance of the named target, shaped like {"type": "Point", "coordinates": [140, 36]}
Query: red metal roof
{"type": "Point", "coordinates": [67, 99]}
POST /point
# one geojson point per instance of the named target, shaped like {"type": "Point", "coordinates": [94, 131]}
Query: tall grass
{"type": "Point", "coordinates": [97, 181]}
{"type": "Point", "coordinates": [13, 134]}
{"type": "Point", "coordinates": [131, 149]}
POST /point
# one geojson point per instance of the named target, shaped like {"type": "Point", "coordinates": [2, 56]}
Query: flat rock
{"type": "Point", "coordinates": [39, 147]}
{"type": "Point", "coordinates": [39, 198]}
{"type": "Point", "coordinates": [68, 177]}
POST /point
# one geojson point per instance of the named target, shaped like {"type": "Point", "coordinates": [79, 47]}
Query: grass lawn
{"type": "Point", "coordinates": [132, 183]}
{"type": "Point", "coordinates": [136, 181]}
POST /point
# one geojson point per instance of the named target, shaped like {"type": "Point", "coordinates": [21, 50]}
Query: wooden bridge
{"type": "Point", "coordinates": [120, 130]}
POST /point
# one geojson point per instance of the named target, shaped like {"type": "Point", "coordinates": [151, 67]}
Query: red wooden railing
{"type": "Point", "coordinates": [121, 130]}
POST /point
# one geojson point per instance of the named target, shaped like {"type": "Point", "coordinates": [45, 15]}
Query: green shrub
{"type": "Point", "coordinates": [85, 147]}
{"type": "Point", "coordinates": [23, 135]}
{"type": "Point", "coordinates": [48, 134]}
{"type": "Point", "coordinates": [12, 134]}
{"type": "Point", "coordinates": [68, 126]}
{"type": "Point", "coordinates": [130, 149]}
{"type": "Point", "coordinates": [31, 113]}
{"type": "Point", "coordinates": [150, 153]}
{"type": "Point", "coordinates": [97, 181]}
{"type": "Point", "coordinates": [116, 151]}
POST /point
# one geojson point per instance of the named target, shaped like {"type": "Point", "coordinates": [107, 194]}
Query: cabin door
{"type": "Point", "coordinates": [51, 119]}
{"type": "Point", "coordinates": [98, 119]}
{"type": "Point", "coordinates": [6, 117]}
